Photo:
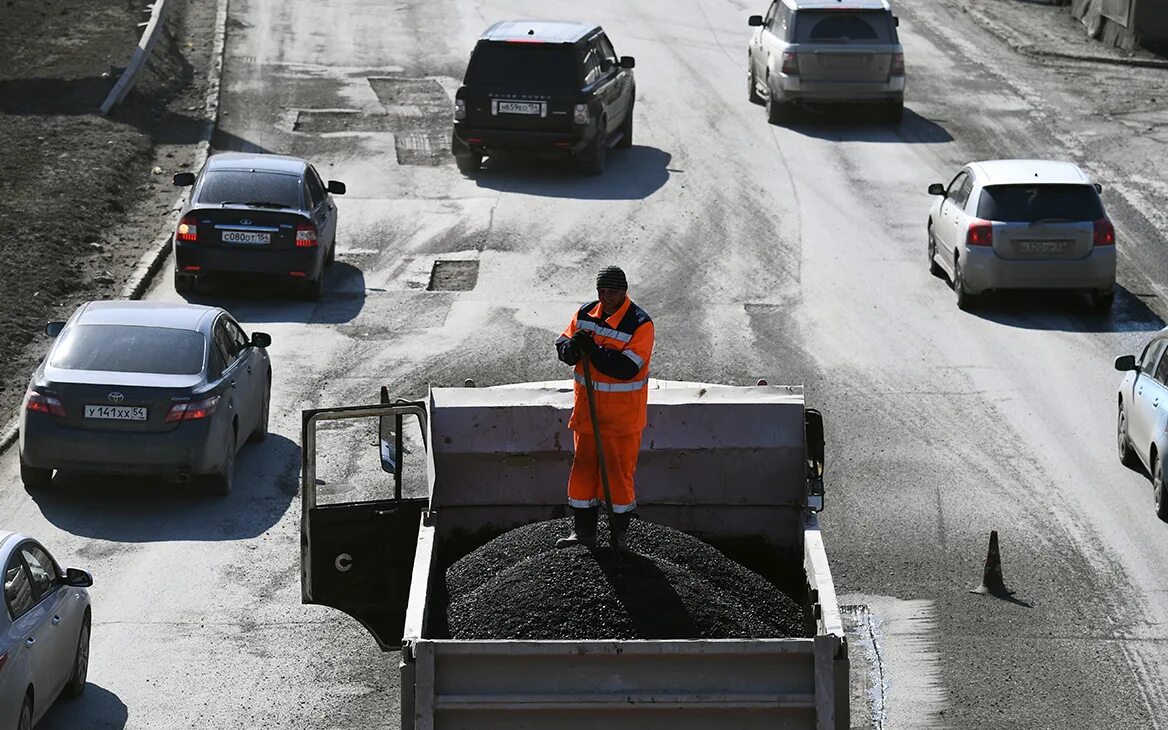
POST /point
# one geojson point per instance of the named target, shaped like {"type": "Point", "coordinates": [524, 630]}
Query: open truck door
{"type": "Point", "coordinates": [358, 556]}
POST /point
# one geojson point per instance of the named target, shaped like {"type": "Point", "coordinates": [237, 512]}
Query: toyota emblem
{"type": "Point", "coordinates": [116, 397]}
{"type": "Point", "coordinates": [245, 222]}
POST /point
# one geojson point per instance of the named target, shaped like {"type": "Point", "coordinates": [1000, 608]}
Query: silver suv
{"type": "Point", "coordinates": [829, 51]}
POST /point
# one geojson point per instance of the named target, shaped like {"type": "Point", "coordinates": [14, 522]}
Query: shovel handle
{"type": "Point", "coordinates": [599, 445]}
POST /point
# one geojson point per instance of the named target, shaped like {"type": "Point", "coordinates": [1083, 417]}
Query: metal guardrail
{"type": "Point", "coordinates": [150, 34]}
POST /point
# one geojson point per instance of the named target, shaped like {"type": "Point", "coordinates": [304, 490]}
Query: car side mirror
{"type": "Point", "coordinates": [1123, 363]}
{"type": "Point", "coordinates": [937, 189]}
{"type": "Point", "coordinates": [628, 62]}
{"type": "Point", "coordinates": [754, 21]}
{"type": "Point", "coordinates": [183, 179]}
{"type": "Point", "coordinates": [336, 187]}
{"type": "Point", "coordinates": [1098, 188]}
{"type": "Point", "coordinates": [261, 339]}
{"type": "Point", "coordinates": [78, 578]}
{"type": "Point", "coordinates": [52, 329]}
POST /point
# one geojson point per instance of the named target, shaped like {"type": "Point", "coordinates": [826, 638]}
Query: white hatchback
{"type": "Point", "coordinates": [44, 631]}
{"type": "Point", "coordinates": [1022, 224]}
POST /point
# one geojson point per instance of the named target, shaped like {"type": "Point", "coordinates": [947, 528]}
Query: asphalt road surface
{"type": "Point", "coordinates": [793, 253]}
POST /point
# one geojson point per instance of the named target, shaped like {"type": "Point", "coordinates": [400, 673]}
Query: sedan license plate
{"type": "Point", "coordinates": [1044, 246]}
{"type": "Point", "coordinates": [533, 108]}
{"type": "Point", "coordinates": [246, 237]}
{"type": "Point", "coordinates": [116, 413]}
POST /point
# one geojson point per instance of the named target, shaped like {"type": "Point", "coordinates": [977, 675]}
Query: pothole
{"type": "Point", "coordinates": [453, 276]}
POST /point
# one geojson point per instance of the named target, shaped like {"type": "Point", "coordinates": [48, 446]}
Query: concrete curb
{"type": "Point", "coordinates": [152, 261]}
{"type": "Point", "coordinates": [1021, 44]}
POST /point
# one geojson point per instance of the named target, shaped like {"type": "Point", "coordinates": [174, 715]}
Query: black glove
{"type": "Point", "coordinates": [583, 342]}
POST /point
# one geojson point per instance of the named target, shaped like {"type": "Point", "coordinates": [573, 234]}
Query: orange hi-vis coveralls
{"type": "Point", "coordinates": [620, 378]}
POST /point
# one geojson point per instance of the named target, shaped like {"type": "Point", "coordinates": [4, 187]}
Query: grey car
{"type": "Point", "coordinates": [146, 388]}
{"type": "Point", "coordinates": [826, 51]}
{"type": "Point", "coordinates": [44, 631]}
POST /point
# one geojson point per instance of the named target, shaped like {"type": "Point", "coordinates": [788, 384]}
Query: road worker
{"type": "Point", "coordinates": [617, 338]}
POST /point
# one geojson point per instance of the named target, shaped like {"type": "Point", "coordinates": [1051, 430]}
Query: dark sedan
{"type": "Point", "coordinates": [146, 388]}
{"type": "Point", "coordinates": [256, 214]}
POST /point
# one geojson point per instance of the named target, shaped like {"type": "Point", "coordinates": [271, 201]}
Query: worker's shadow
{"type": "Point", "coordinates": [655, 608]}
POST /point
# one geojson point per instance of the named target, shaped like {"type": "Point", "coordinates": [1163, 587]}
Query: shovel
{"type": "Point", "coordinates": [599, 449]}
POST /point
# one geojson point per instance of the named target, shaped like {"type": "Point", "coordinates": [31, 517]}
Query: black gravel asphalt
{"type": "Point", "coordinates": [518, 586]}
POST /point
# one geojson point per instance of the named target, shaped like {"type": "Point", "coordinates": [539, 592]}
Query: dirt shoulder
{"type": "Point", "coordinates": [86, 196]}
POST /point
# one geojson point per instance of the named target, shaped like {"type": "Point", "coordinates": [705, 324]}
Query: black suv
{"type": "Point", "coordinates": [545, 87]}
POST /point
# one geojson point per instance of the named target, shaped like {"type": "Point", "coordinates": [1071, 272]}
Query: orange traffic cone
{"type": "Point", "coordinates": [991, 579]}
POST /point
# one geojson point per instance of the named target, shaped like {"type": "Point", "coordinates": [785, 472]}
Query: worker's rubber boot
{"type": "Point", "coordinates": [583, 528]}
{"type": "Point", "coordinates": [620, 530]}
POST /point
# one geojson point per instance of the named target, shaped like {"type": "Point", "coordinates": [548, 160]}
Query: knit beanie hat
{"type": "Point", "coordinates": [612, 277]}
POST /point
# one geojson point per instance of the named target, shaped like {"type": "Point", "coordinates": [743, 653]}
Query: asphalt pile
{"type": "Point", "coordinates": [519, 586]}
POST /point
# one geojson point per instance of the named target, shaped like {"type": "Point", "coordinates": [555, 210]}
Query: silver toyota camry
{"type": "Point", "coordinates": [146, 388]}
{"type": "Point", "coordinates": [44, 631]}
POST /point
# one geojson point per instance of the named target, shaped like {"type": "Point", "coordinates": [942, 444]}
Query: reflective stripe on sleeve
{"type": "Point", "coordinates": [614, 387]}
{"type": "Point", "coordinates": [637, 360]}
{"type": "Point", "coordinates": [603, 331]}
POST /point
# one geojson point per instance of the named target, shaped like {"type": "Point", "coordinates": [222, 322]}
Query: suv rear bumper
{"type": "Point", "coordinates": [466, 140]}
{"type": "Point", "coordinates": [793, 88]}
{"type": "Point", "coordinates": [982, 269]}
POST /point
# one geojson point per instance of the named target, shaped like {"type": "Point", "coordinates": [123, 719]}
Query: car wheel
{"type": "Point", "coordinates": [314, 289]}
{"type": "Point", "coordinates": [469, 164]}
{"type": "Point", "coordinates": [626, 140]}
{"type": "Point", "coordinates": [777, 112]}
{"type": "Point", "coordinates": [185, 284]}
{"type": "Point", "coordinates": [25, 720]}
{"type": "Point", "coordinates": [755, 97]}
{"type": "Point", "coordinates": [76, 684]}
{"type": "Point", "coordinates": [597, 154]}
{"type": "Point", "coordinates": [221, 482]}
{"type": "Point", "coordinates": [965, 300]}
{"type": "Point", "coordinates": [1127, 456]}
{"type": "Point", "coordinates": [34, 477]}
{"type": "Point", "coordinates": [261, 430]}
{"type": "Point", "coordinates": [1158, 489]}
{"type": "Point", "coordinates": [934, 268]}
{"type": "Point", "coordinates": [894, 112]}
{"type": "Point", "coordinates": [1101, 301]}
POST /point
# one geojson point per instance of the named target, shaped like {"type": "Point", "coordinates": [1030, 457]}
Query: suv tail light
{"type": "Point", "coordinates": [790, 63]}
{"type": "Point", "coordinates": [1104, 233]}
{"type": "Point", "coordinates": [980, 233]}
{"type": "Point", "coordinates": [187, 230]}
{"type": "Point", "coordinates": [580, 114]}
{"type": "Point", "coordinates": [192, 410]}
{"type": "Point", "coordinates": [459, 109]}
{"type": "Point", "coordinates": [897, 65]}
{"type": "Point", "coordinates": [305, 236]}
{"type": "Point", "coordinates": [41, 403]}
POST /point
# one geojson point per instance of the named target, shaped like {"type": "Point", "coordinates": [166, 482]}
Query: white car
{"type": "Point", "coordinates": [44, 631]}
{"type": "Point", "coordinates": [1022, 224]}
{"type": "Point", "coordinates": [1143, 414]}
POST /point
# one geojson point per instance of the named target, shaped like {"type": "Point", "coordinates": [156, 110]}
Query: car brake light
{"type": "Point", "coordinates": [187, 230]}
{"type": "Point", "coordinates": [305, 236]}
{"type": "Point", "coordinates": [790, 63]}
{"type": "Point", "coordinates": [1104, 233]}
{"type": "Point", "coordinates": [980, 233]}
{"type": "Point", "coordinates": [459, 110]}
{"type": "Point", "coordinates": [192, 410]}
{"type": "Point", "coordinates": [41, 403]}
{"type": "Point", "coordinates": [897, 64]}
{"type": "Point", "coordinates": [581, 114]}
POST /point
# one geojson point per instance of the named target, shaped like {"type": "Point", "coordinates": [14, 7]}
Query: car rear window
{"type": "Point", "coordinates": [129, 349]}
{"type": "Point", "coordinates": [1033, 203]}
{"type": "Point", "coordinates": [838, 26]}
{"type": "Point", "coordinates": [522, 66]}
{"type": "Point", "coordinates": [240, 186]}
